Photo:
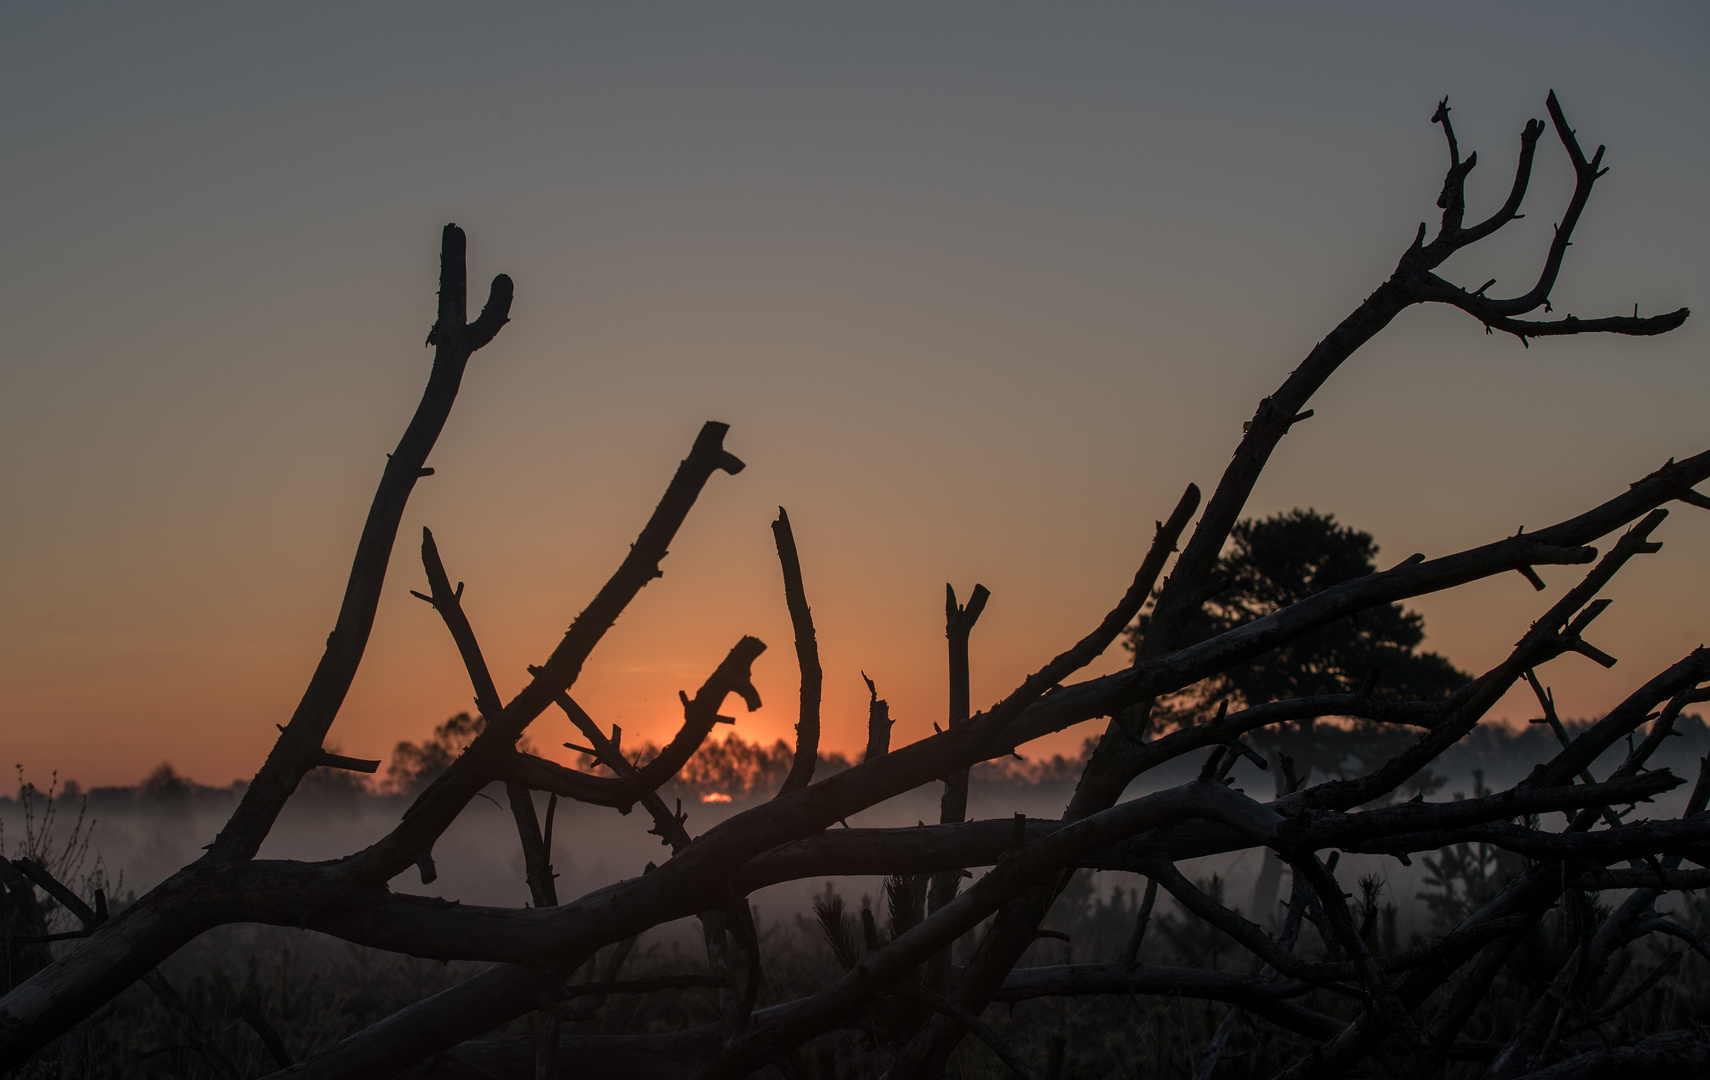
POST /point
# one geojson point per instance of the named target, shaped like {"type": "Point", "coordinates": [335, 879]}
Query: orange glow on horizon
{"type": "Point", "coordinates": [963, 326]}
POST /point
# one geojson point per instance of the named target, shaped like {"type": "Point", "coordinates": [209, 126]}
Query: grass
{"type": "Point", "coordinates": [315, 990]}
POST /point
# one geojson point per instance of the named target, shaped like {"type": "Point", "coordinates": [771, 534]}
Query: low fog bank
{"type": "Point", "coordinates": [136, 836]}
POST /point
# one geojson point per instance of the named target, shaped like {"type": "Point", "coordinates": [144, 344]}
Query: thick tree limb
{"type": "Point", "coordinates": [411, 930]}
{"type": "Point", "coordinates": [82, 979]}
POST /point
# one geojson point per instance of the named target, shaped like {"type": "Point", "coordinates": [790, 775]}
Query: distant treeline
{"type": "Point", "coordinates": [738, 770]}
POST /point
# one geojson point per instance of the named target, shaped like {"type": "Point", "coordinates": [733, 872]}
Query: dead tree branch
{"type": "Point", "coordinates": [807, 658]}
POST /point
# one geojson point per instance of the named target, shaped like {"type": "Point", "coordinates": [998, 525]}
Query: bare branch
{"type": "Point", "coordinates": [537, 857]}
{"type": "Point", "coordinates": [980, 1029]}
{"type": "Point", "coordinates": [1490, 314]}
{"type": "Point", "coordinates": [449, 603]}
{"type": "Point", "coordinates": [435, 809]}
{"type": "Point", "coordinates": [700, 716]}
{"type": "Point", "coordinates": [258, 1022]}
{"type": "Point", "coordinates": [1226, 1028]}
{"type": "Point", "coordinates": [191, 1027]}
{"type": "Point", "coordinates": [807, 658]}
{"type": "Point", "coordinates": [1585, 175]}
{"type": "Point", "coordinates": [1131, 952]}
{"type": "Point", "coordinates": [299, 743]}
{"type": "Point", "coordinates": [639, 567]}
{"type": "Point", "coordinates": [1380, 992]}
{"type": "Point", "coordinates": [1452, 237]}
{"type": "Point", "coordinates": [1618, 1005]}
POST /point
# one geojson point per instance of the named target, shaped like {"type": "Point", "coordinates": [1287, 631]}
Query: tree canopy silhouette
{"type": "Point", "coordinates": [1281, 560]}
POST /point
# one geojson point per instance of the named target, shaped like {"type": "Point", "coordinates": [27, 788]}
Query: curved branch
{"type": "Point", "coordinates": [1585, 174]}
{"type": "Point", "coordinates": [449, 603]}
{"type": "Point", "coordinates": [700, 716]}
{"type": "Point", "coordinates": [668, 826]}
{"type": "Point", "coordinates": [536, 848]}
{"type": "Point", "coordinates": [1335, 830]}
{"type": "Point", "coordinates": [1510, 209]}
{"type": "Point", "coordinates": [932, 848]}
{"type": "Point", "coordinates": [1436, 290]}
{"type": "Point", "coordinates": [1094, 644]}
{"type": "Point", "coordinates": [639, 567]}
{"type": "Point", "coordinates": [294, 752]}
{"type": "Point", "coordinates": [434, 810]}
{"type": "Point", "coordinates": [979, 1028]}
{"type": "Point", "coordinates": [494, 315]}
{"type": "Point", "coordinates": [1548, 637]}
{"type": "Point", "coordinates": [880, 968]}
{"type": "Point", "coordinates": [539, 774]}
{"type": "Point", "coordinates": [807, 658]}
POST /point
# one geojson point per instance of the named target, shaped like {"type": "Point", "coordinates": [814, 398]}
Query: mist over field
{"type": "Point", "coordinates": [141, 834]}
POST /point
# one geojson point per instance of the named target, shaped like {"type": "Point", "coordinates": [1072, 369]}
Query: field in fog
{"type": "Point", "coordinates": [316, 990]}
{"type": "Point", "coordinates": [141, 836]}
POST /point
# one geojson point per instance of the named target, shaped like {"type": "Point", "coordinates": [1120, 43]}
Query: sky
{"type": "Point", "coordinates": [978, 287]}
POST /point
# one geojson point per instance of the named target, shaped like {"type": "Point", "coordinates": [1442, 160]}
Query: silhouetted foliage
{"type": "Point", "coordinates": [1281, 560]}
{"type": "Point", "coordinates": [414, 765]}
{"type": "Point", "coordinates": [737, 769]}
{"type": "Point", "coordinates": [164, 789]}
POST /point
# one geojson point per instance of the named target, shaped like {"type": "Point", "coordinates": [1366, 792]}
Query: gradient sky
{"type": "Point", "coordinates": [979, 288]}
